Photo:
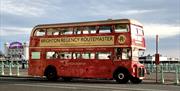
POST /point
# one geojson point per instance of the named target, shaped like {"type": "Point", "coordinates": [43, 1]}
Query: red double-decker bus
{"type": "Point", "coordinates": [107, 49]}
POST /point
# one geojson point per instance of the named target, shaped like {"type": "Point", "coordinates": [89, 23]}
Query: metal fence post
{"type": "Point", "coordinates": [177, 71]}
{"type": "Point", "coordinates": [168, 67]}
{"type": "Point", "coordinates": [2, 68]}
{"type": "Point", "coordinates": [152, 68]}
{"type": "Point", "coordinates": [10, 68]}
{"type": "Point", "coordinates": [7, 63]}
{"type": "Point", "coordinates": [162, 75]}
{"type": "Point", "coordinates": [17, 65]}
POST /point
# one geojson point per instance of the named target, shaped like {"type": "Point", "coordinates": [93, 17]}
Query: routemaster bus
{"type": "Point", "coordinates": [107, 49]}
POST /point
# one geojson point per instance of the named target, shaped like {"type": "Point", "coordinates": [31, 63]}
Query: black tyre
{"type": "Point", "coordinates": [51, 74]}
{"type": "Point", "coordinates": [135, 80]}
{"type": "Point", "coordinates": [121, 77]}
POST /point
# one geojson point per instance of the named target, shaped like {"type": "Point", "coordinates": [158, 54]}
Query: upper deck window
{"type": "Point", "coordinates": [105, 29]}
{"type": "Point", "coordinates": [40, 32]}
{"type": "Point", "coordinates": [52, 31]}
{"type": "Point", "coordinates": [121, 28]}
{"type": "Point", "coordinates": [140, 31]}
{"type": "Point", "coordinates": [136, 30]}
{"type": "Point", "coordinates": [55, 33]}
{"type": "Point", "coordinates": [89, 30]}
{"type": "Point", "coordinates": [66, 31]}
{"type": "Point", "coordinates": [78, 30]}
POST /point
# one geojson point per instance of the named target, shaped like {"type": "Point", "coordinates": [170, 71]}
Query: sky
{"type": "Point", "coordinates": [162, 17]}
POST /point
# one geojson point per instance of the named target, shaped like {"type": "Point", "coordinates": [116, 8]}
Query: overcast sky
{"type": "Point", "coordinates": [162, 17]}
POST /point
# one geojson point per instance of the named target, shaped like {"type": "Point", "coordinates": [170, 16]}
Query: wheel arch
{"type": "Point", "coordinates": [49, 67]}
{"type": "Point", "coordinates": [120, 68]}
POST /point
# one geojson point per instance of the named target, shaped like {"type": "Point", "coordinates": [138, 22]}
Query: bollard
{"type": "Point", "coordinates": [177, 78]}
{"type": "Point", "coordinates": [17, 66]}
{"type": "Point", "coordinates": [2, 68]}
{"type": "Point", "coordinates": [10, 69]}
{"type": "Point", "coordinates": [162, 75]}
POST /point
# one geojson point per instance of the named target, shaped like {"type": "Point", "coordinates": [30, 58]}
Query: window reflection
{"type": "Point", "coordinates": [121, 28]}
{"type": "Point", "coordinates": [40, 32]}
{"type": "Point", "coordinates": [105, 29]}
{"type": "Point", "coordinates": [123, 53]}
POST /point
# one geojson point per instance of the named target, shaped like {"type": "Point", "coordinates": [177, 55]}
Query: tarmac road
{"type": "Point", "coordinates": [37, 84]}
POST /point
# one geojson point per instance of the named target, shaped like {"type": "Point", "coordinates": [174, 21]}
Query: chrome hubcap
{"type": "Point", "coordinates": [121, 76]}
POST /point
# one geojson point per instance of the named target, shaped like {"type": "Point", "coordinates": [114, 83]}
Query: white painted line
{"type": "Point", "coordinates": [75, 86]}
{"type": "Point", "coordinates": [115, 88]}
{"type": "Point", "coordinates": [46, 86]}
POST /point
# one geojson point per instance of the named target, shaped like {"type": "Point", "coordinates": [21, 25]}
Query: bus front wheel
{"type": "Point", "coordinates": [51, 74]}
{"type": "Point", "coordinates": [121, 77]}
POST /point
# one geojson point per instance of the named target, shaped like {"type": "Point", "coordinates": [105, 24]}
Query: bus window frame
{"type": "Point", "coordinates": [52, 31]}
{"type": "Point", "coordinates": [108, 57]}
{"type": "Point", "coordinates": [137, 29]}
{"type": "Point", "coordinates": [111, 29]}
{"type": "Point", "coordinates": [128, 27]}
{"type": "Point", "coordinates": [89, 56]}
{"type": "Point", "coordinates": [69, 29]}
{"type": "Point", "coordinates": [77, 58]}
{"type": "Point", "coordinates": [54, 56]}
{"type": "Point", "coordinates": [76, 30]}
{"type": "Point", "coordinates": [66, 57]}
{"type": "Point", "coordinates": [136, 36]}
{"type": "Point", "coordinates": [40, 55]}
{"type": "Point", "coordinates": [89, 30]}
{"type": "Point", "coordinates": [36, 30]}
{"type": "Point", "coordinates": [121, 53]}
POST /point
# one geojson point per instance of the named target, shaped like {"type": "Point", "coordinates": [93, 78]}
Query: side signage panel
{"type": "Point", "coordinates": [78, 41]}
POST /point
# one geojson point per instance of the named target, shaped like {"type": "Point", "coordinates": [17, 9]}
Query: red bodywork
{"type": "Point", "coordinates": [84, 68]}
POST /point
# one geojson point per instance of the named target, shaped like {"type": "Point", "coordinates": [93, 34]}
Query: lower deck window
{"type": "Point", "coordinates": [88, 55]}
{"type": "Point", "coordinates": [51, 55]}
{"type": "Point", "coordinates": [123, 53]}
{"type": "Point", "coordinates": [76, 55]}
{"type": "Point", "coordinates": [103, 55]}
{"type": "Point", "coordinates": [65, 55]}
{"type": "Point", "coordinates": [35, 55]}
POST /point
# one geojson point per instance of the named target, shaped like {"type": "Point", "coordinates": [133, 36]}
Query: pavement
{"type": "Point", "coordinates": [41, 84]}
{"type": "Point", "coordinates": [23, 82]}
{"type": "Point", "coordinates": [170, 77]}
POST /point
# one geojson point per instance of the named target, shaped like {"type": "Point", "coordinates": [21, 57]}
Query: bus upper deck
{"type": "Point", "coordinates": [120, 32]}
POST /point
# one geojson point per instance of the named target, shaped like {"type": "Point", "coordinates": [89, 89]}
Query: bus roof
{"type": "Point", "coordinates": [88, 23]}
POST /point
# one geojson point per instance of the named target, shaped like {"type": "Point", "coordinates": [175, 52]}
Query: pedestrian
{"type": "Point", "coordinates": [23, 61]}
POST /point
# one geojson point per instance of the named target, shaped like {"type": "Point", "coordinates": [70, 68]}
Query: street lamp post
{"type": "Point", "coordinates": [157, 58]}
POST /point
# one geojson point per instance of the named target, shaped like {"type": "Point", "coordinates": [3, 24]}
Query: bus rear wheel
{"type": "Point", "coordinates": [135, 80]}
{"type": "Point", "coordinates": [121, 77]}
{"type": "Point", "coordinates": [51, 74]}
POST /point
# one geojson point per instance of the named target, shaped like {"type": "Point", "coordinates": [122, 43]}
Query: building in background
{"type": "Point", "coordinates": [2, 57]}
{"type": "Point", "coordinates": [16, 50]}
{"type": "Point", "coordinates": [163, 59]}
